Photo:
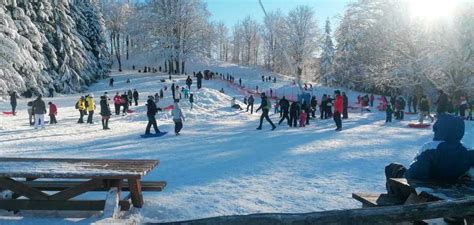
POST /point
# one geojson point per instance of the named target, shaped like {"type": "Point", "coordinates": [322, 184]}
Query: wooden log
{"type": "Point", "coordinates": [62, 185]}
{"type": "Point", "coordinates": [136, 192]}
{"type": "Point", "coordinates": [77, 190]}
{"type": "Point", "coordinates": [79, 205]}
{"type": "Point", "coordinates": [363, 216]}
{"type": "Point", "coordinates": [22, 189]}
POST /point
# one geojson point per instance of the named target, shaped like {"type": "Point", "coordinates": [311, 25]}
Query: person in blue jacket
{"type": "Point", "coordinates": [442, 160]}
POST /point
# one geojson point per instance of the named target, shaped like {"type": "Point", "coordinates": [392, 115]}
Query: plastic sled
{"type": "Point", "coordinates": [8, 113]}
{"type": "Point", "coordinates": [153, 135]}
{"type": "Point", "coordinates": [410, 113]}
{"type": "Point", "coordinates": [417, 125]}
{"type": "Point", "coordinates": [130, 111]}
{"type": "Point", "coordinates": [170, 107]}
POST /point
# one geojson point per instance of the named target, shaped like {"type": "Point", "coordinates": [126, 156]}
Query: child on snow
{"type": "Point", "coordinates": [303, 116]}
{"type": "Point", "coordinates": [53, 111]}
{"type": "Point", "coordinates": [178, 118]}
{"type": "Point", "coordinates": [31, 116]}
{"type": "Point", "coordinates": [388, 112]}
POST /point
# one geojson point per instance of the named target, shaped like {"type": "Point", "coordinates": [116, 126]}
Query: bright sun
{"type": "Point", "coordinates": [432, 9]}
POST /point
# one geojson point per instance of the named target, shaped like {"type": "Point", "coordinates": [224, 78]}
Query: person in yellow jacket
{"type": "Point", "coordinates": [81, 106]}
{"type": "Point", "coordinates": [90, 105]}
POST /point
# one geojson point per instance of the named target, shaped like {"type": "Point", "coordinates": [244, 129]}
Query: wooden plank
{"type": "Point", "coordinates": [121, 168]}
{"type": "Point", "coordinates": [79, 205]}
{"type": "Point", "coordinates": [62, 185]}
{"type": "Point", "coordinates": [22, 189]}
{"type": "Point", "coordinates": [365, 216]}
{"type": "Point", "coordinates": [434, 191]}
{"type": "Point", "coordinates": [136, 192]}
{"type": "Point", "coordinates": [376, 199]}
{"type": "Point", "coordinates": [78, 189]}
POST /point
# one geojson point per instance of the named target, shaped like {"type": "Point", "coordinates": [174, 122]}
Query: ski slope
{"type": "Point", "coordinates": [221, 165]}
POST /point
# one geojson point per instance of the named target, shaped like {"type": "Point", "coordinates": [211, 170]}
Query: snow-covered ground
{"type": "Point", "coordinates": [222, 165]}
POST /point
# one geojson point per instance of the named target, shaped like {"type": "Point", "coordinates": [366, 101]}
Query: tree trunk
{"type": "Point", "coordinates": [166, 67]}
{"type": "Point", "coordinates": [112, 38]}
{"type": "Point", "coordinates": [182, 66]}
{"type": "Point", "coordinates": [170, 66]}
{"type": "Point", "coordinates": [177, 66]}
{"type": "Point", "coordinates": [128, 44]}
{"type": "Point", "coordinates": [117, 51]}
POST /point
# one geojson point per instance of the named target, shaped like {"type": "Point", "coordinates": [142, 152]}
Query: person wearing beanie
{"type": "Point", "coordinates": [443, 160]}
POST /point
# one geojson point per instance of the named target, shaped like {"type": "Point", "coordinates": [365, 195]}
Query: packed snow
{"type": "Point", "coordinates": [220, 164]}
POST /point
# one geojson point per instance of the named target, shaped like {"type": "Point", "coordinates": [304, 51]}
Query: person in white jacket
{"type": "Point", "coordinates": [178, 118]}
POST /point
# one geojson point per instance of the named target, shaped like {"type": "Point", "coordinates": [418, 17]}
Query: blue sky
{"type": "Point", "coordinates": [232, 11]}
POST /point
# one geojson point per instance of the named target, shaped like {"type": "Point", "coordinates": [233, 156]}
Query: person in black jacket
{"type": "Point", "coordinates": [250, 104]}
{"type": "Point", "coordinates": [345, 105]}
{"type": "Point", "coordinates": [199, 79]}
{"type": "Point", "coordinates": [189, 82]}
{"type": "Point", "coordinates": [124, 101]}
{"type": "Point", "coordinates": [172, 91]}
{"type": "Point", "coordinates": [314, 104]}
{"type": "Point", "coordinates": [322, 106]}
{"type": "Point", "coordinates": [150, 113]}
{"type": "Point", "coordinates": [13, 102]}
{"type": "Point", "coordinates": [105, 112]}
{"type": "Point", "coordinates": [294, 114]}
{"type": "Point", "coordinates": [265, 107]}
{"type": "Point", "coordinates": [442, 103]}
{"type": "Point", "coordinates": [135, 96]}
{"type": "Point", "coordinates": [284, 107]}
{"type": "Point", "coordinates": [39, 109]}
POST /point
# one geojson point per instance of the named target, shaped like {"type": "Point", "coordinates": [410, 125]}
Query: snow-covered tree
{"type": "Point", "coordinates": [325, 66]}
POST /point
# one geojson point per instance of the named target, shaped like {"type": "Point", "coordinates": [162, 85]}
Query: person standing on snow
{"type": "Point", "coordinates": [124, 101]}
{"type": "Point", "coordinates": [442, 103]}
{"type": "Point", "coordinates": [251, 100]}
{"type": "Point", "coordinates": [130, 97]}
{"type": "Point", "coordinates": [314, 105]}
{"type": "Point", "coordinates": [173, 87]}
{"type": "Point", "coordinates": [178, 118]}
{"type": "Point", "coordinates": [191, 100]}
{"type": "Point", "coordinates": [401, 107]}
{"type": "Point", "coordinates": [424, 109]}
{"type": "Point", "coordinates": [294, 113]}
{"type": "Point", "coordinates": [189, 82]}
{"type": "Point", "coordinates": [53, 111]}
{"type": "Point", "coordinates": [90, 108]}
{"type": "Point", "coordinates": [135, 96]}
{"type": "Point", "coordinates": [265, 106]}
{"type": "Point", "coordinates": [13, 102]}
{"type": "Point", "coordinates": [284, 107]}
{"type": "Point", "coordinates": [151, 111]}
{"type": "Point", "coordinates": [199, 79]}
{"type": "Point", "coordinates": [111, 82]}
{"type": "Point", "coordinates": [31, 116]}
{"type": "Point", "coordinates": [338, 108]}
{"type": "Point", "coordinates": [81, 106]}
{"type": "Point", "coordinates": [345, 105]}
{"type": "Point", "coordinates": [117, 103]}
{"type": "Point", "coordinates": [39, 109]}
{"type": "Point", "coordinates": [388, 114]}
{"type": "Point", "coordinates": [303, 116]}
{"type": "Point", "coordinates": [371, 100]}
{"type": "Point", "coordinates": [105, 112]}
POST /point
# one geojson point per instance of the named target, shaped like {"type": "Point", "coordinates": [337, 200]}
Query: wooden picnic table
{"type": "Point", "coordinates": [71, 178]}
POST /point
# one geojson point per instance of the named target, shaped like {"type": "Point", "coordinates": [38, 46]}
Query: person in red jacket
{"type": "Point", "coordinates": [117, 103]}
{"type": "Point", "coordinates": [53, 111]}
{"type": "Point", "coordinates": [338, 109]}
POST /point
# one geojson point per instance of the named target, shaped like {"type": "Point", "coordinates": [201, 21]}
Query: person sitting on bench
{"type": "Point", "coordinates": [442, 160]}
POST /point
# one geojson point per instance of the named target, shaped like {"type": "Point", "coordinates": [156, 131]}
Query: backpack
{"type": "Point", "coordinates": [77, 104]}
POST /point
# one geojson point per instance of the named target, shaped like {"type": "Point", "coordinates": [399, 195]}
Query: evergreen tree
{"type": "Point", "coordinates": [326, 67]}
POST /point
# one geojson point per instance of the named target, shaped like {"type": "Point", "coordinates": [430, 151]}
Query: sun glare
{"type": "Point", "coordinates": [432, 9]}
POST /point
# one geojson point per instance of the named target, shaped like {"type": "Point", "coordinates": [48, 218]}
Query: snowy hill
{"type": "Point", "coordinates": [221, 165]}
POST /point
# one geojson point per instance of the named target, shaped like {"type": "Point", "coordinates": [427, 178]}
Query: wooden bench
{"type": "Point", "coordinates": [112, 175]}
